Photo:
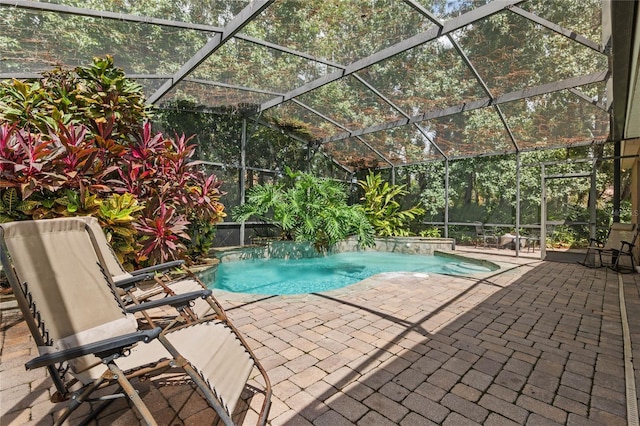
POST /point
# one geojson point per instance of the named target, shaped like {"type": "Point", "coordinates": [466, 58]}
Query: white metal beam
{"type": "Point", "coordinates": [480, 103]}
{"type": "Point", "coordinates": [406, 44]}
{"type": "Point", "coordinates": [252, 10]}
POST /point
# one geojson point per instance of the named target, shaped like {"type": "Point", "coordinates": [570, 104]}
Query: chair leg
{"type": "Point", "coordinates": [77, 399]}
{"type": "Point", "coordinates": [590, 259]}
{"type": "Point", "coordinates": [132, 394]}
{"type": "Point", "coordinates": [617, 267]}
{"type": "Point", "coordinates": [103, 405]}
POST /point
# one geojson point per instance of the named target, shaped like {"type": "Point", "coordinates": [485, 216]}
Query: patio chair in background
{"type": "Point", "coordinates": [88, 339]}
{"type": "Point", "coordinates": [620, 242]}
{"type": "Point", "coordinates": [484, 238]}
{"type": "Point", "coordinates": [154, 282]}
{"type": "Point", "coordinates": [532, 240]}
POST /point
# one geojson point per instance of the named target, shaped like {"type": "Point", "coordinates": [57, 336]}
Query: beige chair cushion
{"type": "Point", "coordinates": [618, 233]}
{"type": "Point", "coordinates": [213, 351]}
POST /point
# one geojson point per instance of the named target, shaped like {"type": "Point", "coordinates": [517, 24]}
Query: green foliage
{"type": "Point", "coordinates": [430, 232]}
{"type": "Point", "coordinates": [294, 126]}
{"type": "Point", "coordinates": [29, 105]}
{"type": "Point", "coordinates": [201, 233]}
{"type": "Point", "coordinates": [383, 210]}
{"type": "Point", "coordinates": [483, 190]}
{"type": "Point", "coordinates": [117, 215]}
{"type": "Point", "coordinates": [72, 203]}
{"type": "Point", "coordinates": [12, 208]}
{"type": "Point", "coordinates": [46, 205]}
{"type": "Point", "coordinates": [96, 96]}
{"type": "Point", "coordinates": [307, 208]}
{"type": "Point", "coordinates": [217, 135]}
{"type": "Point", "coordinates": [107, 97]}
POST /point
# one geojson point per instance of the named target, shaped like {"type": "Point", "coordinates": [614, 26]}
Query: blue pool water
{"type": "Point", "coordinates": [300, 276]}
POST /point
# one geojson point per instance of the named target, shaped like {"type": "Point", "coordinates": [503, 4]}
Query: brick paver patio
{"type": "Point", "coordinates": [535, 343]}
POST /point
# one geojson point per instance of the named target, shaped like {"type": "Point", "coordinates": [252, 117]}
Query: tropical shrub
{"type": "Point", "coordinates": [201, 234]}
{"type": "Point", "coordinates": [117, 215]}
{"type": "Point", "coordinates": [179, 197]}
{"type": "Point", "coordinates": [430, 232]}
{"type": "Point", "coordinates": [307, 208]}
{"type": "Point", "coordinates": [163, 231]}
{"type": "Point", "coordinates": [76, 143]}
{"type": "Point", "coordinates": [99, 96]}
{"type": "Point", "coordinates": [383, 210]}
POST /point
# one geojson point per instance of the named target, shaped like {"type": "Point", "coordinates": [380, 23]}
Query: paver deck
{"type": "Point", "coordinates": [535, 343]}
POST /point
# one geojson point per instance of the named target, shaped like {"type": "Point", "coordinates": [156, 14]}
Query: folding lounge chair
{"type": "Point", "coordinates": [134, 284]}
{"type": "Point", "coordinates": [483, 237]}
{"type": "Point", "coordinates": [620, 242]}
{"type": "Point", "coordinates": [532, 240]}
{"type": "Point", "coordinates": [89, 340]}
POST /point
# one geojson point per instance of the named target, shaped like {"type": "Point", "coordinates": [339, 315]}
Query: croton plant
{"type": "Point", "coordinates": [79, 142]}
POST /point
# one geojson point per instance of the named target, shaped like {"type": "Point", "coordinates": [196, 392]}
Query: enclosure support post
{"type": "Point", "coordinates": [393, 175]}
{"type": "Point", "coordinates": [616, 181]}
{"type": "Point", "coordinates": [243, 172]}
{"type": "Point", "coordinates": [517, 245]}
{"type": "Point", "coordinates": [592, 201]}
{"type": "Point", "coordinates": [543, 214]}
{"type": "Point", "coordinates": [446, 198]}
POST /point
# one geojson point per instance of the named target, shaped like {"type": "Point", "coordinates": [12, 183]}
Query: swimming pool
{"type": "Point", "coordinates": [309, 275]}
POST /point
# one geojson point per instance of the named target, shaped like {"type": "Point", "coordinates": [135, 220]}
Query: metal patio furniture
{"type": "Point", "coordinates": [483, 237]}
{"type": "Point", "coordinates": [88, 339]}
{"type": "Point", "coordinates": [155, 282]}
{"type": "Point", "coordinates": [621, 240]}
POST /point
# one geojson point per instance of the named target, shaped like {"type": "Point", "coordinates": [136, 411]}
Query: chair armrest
{"type": "Point", "coordinates": [631, 245]}
{"type": "Point", "coordinates": [156, 268]}
{"type": "Point", "coordinates": [128, 283]}
{"type": "Point", "coordinates": [102, 348]}
{"type": "Point", "coordinates": [175, 301]}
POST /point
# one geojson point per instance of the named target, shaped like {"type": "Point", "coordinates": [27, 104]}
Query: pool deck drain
{"type": "Point", "coordinates": [535, 343]}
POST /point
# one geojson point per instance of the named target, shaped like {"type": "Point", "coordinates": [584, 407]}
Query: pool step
{"type": "Point", "coordinates": [464, 267]}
